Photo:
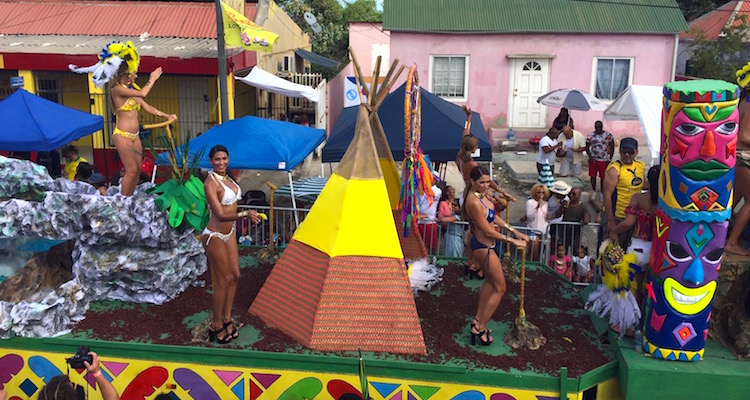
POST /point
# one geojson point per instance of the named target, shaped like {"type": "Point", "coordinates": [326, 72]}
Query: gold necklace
{"type": "Point", "coordinates": [221, 177]}
{"type": "Point", "coordinates": [479, 195]}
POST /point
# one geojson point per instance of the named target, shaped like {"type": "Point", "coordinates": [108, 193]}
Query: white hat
{"type": "Point", "coordinates": [561, 187]}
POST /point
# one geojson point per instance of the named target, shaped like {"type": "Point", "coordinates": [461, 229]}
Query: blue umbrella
{"type": "Point", "coordinates": [31, 123]}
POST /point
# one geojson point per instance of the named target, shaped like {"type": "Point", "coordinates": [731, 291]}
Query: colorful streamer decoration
{"type": "Point", "coordinates": [416, 175]}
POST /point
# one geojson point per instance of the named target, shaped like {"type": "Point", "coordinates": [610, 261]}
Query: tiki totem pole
{"type": "Point", "coordinates": [698, 143]}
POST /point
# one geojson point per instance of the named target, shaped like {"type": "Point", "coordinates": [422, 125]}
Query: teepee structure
{"type": "Point", "coordinates": [341, 284]}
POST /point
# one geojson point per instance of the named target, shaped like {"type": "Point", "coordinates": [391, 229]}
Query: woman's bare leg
{"type": "Point", "coordinates": [492, 290]}
{"type": "Point", "coordinates": [219, 261]}
{"type": "Point", "coordinates": [233, 277]}
{"type": "Point", "coordinates": [131, 155]}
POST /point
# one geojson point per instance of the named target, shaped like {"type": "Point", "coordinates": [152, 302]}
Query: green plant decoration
{"type": "Point", "coordinates": [183, 195]}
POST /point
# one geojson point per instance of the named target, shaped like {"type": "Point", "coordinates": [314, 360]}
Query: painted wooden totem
{"type": "Point", "coordinates": [698, 144]}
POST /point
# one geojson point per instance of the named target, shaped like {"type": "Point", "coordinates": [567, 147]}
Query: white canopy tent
{"type": "Point", "coordinates": [644, 103]}
{"type": "Point", "coordinates": [272, 83]}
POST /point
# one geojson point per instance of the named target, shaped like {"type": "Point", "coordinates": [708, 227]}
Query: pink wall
{"type": "Point", "coordinates": [571, 67]}
{"type": "Point", "coordinates": [362, 37]}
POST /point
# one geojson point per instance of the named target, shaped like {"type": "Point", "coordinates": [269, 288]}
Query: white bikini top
{"type": "Point", "coordinates": [230, 196]}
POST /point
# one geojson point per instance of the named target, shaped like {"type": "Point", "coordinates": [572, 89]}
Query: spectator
{"type": "Point", "coordinates": [560, 190]}
{"type": "Point", "coordinates": [51, 160]}
{"type": "Point", "coordinates": [623, 179]}
{"type": "Point", "coordinates": [97, 180]}
{"type": "Point", "coordinates": [536, 215]}
{"type": "Point", "coordinates": [572, 210]}
{"type": "Point", "coordinates": [71, 155]}
{"type": "Point", "coordinates": [562, 119]}
{"type": "Point", "coordinates": [561, 262]}
{"type": "Point", "coordinates": [600, 146]}
{"type": "Point", "coordinates": [304, 120]}
{"type": "Point", "coordinates": [583, 266]}
{"type": "Point", "coordinates": [640, 217]}
{"type": "Point", "coordinates": [573, 146]}
{"type": "Point", "coordinates": [548, 145]}
{"type": "Point", "coordinates": [449, 213]}
{"type": "Point", "coordinates": [60, 387]}
{"type": "Point", "coordinates": [427, 224]}
{"type": "Point", "coordinates": [83, 171]}
{"type": "Point", "coordinates": [282, 117]}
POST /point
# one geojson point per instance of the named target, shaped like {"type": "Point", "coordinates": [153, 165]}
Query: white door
{"type": "Point", "coordinates": [530, 79]}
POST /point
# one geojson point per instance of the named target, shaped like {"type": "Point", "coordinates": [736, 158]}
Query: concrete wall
{"type": "Point", "coordinates": [291, 37]}
{"type": "Point", "coordinates": [572, 66]}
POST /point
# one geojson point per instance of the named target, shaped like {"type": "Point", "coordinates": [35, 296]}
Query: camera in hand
{"type": "Point", "coordinates": [76, 362]}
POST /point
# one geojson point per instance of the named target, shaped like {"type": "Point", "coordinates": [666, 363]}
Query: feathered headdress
{"type": "Point", "coordinates": [110, 59]}
{"type": "Point", "coordinates": [743, 76]}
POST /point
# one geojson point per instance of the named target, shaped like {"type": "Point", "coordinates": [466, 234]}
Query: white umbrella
{"type": "Point", "coordinates": [571, 99]}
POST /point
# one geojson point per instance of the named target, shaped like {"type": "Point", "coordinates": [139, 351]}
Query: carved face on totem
{"type": "Point", "coordinates": [687, 256]}
{"type": "Point", "coordinates": [701, 141]}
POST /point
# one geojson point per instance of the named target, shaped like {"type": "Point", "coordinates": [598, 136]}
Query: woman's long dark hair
{"type": "Point", "coordinates": [476, 173]}
{"type": "Point", "coordinates": [58, 388]}
{"type": "Point", "coordinates": [212, 153]}
{"type": "Point", "coordinates": [653, 183]}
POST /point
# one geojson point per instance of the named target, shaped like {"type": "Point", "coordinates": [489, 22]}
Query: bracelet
{"type": "Point", "coordinates": [242, 214]}
{"type": "Point", "coordinates": [97, 374]}
{"type": "Point", "coordinates": [508, 227]}
{"type": "Point", "coordinates": [467, 124]}
{"type": "Point", "coordinates": [159, 114]}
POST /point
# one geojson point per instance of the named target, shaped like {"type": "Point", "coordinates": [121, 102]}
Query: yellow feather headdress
{"type": "Point", "coordinates": [110, 59]}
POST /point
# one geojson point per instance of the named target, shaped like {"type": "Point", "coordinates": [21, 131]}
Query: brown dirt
{"type": "Point", "coordinates": [445, 314]}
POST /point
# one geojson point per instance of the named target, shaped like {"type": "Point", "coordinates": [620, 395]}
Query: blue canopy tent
{"type": "Point", "coordinates": [255, 143]}
{"type": "Point", "coordinates": [442, 124]}
{"type": "Point", "coordinates": [31, 123]}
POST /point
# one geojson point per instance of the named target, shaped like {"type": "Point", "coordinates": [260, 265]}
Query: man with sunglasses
{"type": "Point", "coordinates": [623, 179]}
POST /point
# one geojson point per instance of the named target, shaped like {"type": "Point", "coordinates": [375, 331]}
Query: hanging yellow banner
{"type": "Point", "coordinates": [241, 32]}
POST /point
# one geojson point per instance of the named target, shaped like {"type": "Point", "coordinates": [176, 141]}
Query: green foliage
{"type": "Point", "coordinates": [183, 195]}
{"type": "Point", "coordinates": [692, 9]}
{"type": "Point", "coordinates": [362, 11]}
{"type": "Point", "coordinates": [720, 58]}
{"type": "Point", "coordinates": [334, 19]}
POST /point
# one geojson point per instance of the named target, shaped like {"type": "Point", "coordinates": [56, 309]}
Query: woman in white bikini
{"type": "Point", "coordinates": [220, 242]}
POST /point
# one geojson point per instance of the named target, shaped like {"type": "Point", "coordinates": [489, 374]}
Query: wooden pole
{"type": "Point", "coordinates": [358, 71]}
{"type": "Point", "coordinates": [387, 88]}
{"type": "Point", "coordinates": [374, 82]}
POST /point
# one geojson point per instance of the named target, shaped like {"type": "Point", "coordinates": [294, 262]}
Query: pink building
{"type": "Point", "coordinates": [499, 58]}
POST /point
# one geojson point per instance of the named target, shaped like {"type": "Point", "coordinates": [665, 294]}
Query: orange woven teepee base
{"type": "Point", "coordinates": [413, 246]}
{"type": "Point", "coordinates": [342, 303]}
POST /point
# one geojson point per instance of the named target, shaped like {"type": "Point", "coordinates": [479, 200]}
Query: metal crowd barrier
{"type": "Point", "coordinates": [570, 234]}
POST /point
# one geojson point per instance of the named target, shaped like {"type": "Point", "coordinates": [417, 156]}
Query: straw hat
{"type": "Point", "coordinates": [561, 187]}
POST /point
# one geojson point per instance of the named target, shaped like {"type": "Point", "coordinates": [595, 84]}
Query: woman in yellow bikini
{"type": "Point", "coordinates": [127, 100]}
{"type": "Point", "coordinates": [118, 66]}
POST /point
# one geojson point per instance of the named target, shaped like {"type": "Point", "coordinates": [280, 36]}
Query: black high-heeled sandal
{"type": "Point", "coordinates": [472, 273]}
{"type": "Point", "coordinates": [475, 325]}
{"type": "Point", "coordinates": [481, 335]}
{"type": "Point", "coordinates": [233, 334]}
{"type": "Point", "coordinates": [213, 335]}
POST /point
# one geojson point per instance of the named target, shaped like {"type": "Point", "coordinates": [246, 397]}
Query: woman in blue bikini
{"type": "Point", "coordinates": [480, 213]}
{"type": "Point", "coordinates": [220, 242]}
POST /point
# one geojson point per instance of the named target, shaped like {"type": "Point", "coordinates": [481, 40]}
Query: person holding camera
{"type": "Point", "coordinates": [61, 388]}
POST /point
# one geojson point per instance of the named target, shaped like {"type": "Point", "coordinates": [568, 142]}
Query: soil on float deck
{"type": "Point", "coordinates": [550, 303]}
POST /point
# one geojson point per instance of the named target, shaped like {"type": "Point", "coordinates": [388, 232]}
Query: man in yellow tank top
{"type": "Point", "coordinates": [623, 179]}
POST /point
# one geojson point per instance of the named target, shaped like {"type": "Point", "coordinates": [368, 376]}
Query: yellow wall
{"type": "Point", "coordinates": [28, 80]}
{"type": "Point", "coordinates": [75, 94]}
{"type": "Point", "coordinates": [291, 38]}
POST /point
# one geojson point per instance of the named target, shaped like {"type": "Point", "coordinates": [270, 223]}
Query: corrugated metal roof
{"type": "Point", "coordinates": [714, 22]}
{"type": "Point", "coordinates": [69, 44]}
{"type": "Point", "coordinates": [564, 16]}
{"type": "Point", "coordinates": [109, 18]}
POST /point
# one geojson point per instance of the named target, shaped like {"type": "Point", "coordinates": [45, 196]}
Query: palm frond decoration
{"type": "Point", "coordinates": [183, 195]}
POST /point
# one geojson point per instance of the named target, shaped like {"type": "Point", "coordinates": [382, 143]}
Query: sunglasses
{"type": "Point", "coordinates": [627, 151]}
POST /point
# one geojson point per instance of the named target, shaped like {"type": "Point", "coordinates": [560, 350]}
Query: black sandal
{"type": "Point", "coordinates": [475, 325]}
{"type": "Point", "coordinates": [481, 335]}
{"type": "Point", "coordinates": [234, 334]}
{"type": "Point", "coordinates": [213, 335]}
{"type": "Point", "coordinates": [472, 273]}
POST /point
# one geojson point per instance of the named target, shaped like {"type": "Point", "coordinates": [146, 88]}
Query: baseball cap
{"type": "Point", "coordinates": [629, 143]}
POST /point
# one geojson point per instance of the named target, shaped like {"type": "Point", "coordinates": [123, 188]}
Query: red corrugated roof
{"type": "Point", "coordinates": [110, 18]}
{"type": "Point", "coordinates": [713, 23]}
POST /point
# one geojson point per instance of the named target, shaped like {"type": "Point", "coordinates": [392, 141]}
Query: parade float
{"type": "Point", "coordinates": [338, 299]}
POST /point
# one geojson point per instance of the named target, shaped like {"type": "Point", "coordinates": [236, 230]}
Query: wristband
{"type": "Point", "coordinates": [242, 214]}
{"type": "Point", "coordinates": [97, 374]}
